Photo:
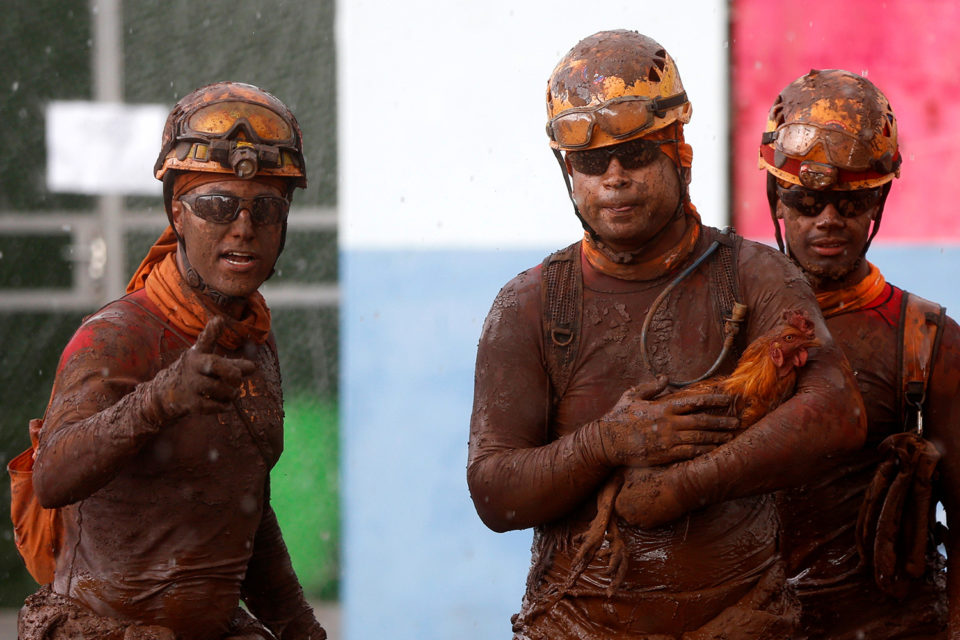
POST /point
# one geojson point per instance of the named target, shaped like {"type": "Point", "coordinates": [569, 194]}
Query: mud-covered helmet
{"type": "Point", "coordinates": [831, 129]}
{"type": "Point", "coordinates": [234, 128]}
{"type": "Point", "coordinates": [612, 87]}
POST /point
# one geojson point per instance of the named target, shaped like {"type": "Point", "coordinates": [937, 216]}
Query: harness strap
{"type": "Point", "coordinates": [921, 326]}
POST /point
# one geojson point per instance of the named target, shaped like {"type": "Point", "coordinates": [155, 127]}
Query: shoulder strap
{"type": "Point", "coordinates": [724, 281]}
{"type": "Point", "coordinates": [561, 310]}
{"type": "Point", "coordinates": [921, 326]}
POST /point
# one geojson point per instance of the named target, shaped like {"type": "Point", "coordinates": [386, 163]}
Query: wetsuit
{"type": "Point", "coordinates": [165, 524]}
{"type": "Point", "coordinates": [839, 596]}
{"type": "Point", "coordinates": [533, 466]}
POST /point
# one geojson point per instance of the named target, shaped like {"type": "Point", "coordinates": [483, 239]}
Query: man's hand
{"type": "Point", "coordinates": [200, 381]}
{"type": "Point", "coordinates": [641, 432]}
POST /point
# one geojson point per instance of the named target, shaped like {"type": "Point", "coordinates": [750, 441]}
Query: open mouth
{"type": "Point", "coordinates": [238, 257]}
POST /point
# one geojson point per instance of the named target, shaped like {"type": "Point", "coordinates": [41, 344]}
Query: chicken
{"type": "Point", "coordinates": [765, 376]}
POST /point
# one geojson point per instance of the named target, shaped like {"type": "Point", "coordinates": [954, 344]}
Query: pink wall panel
{"type": "Point", "coordinates": [910, 50]}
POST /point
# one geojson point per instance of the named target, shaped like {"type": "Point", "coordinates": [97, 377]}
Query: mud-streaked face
{"type": "Point", "coordinates": [236, 257]}
{"type": "Point", "coordinates": [827, 245]}
{"type": "Point", "coordinates": [628, 207]}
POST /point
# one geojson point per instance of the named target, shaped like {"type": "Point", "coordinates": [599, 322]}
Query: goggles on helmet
{"type": "Point", "coordinates": [223, 209]}
{"type": "Point", "coordinates": [243, 137]}
{"type": "Point", "coordinates": [811, 203]}
{"type": "Point", "coordinates": [842, 149]}
{"type": "Point", "coordinates": [632, 154]}
{"type": "Point", "coordinates": [619, 117]}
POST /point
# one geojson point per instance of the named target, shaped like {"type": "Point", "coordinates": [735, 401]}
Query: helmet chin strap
{"type": "Point", "coordinates": [193, 279]}
{"type": "Point", "coordinates": [619, 257]}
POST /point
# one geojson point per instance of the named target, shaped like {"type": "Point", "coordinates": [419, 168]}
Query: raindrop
{"type": "Point", "coordinates": [248, 504]}
{"type": "Point", "coordinates": [48, 49]}
{"type": "Point", "coordinates": [15, 85]}
{"type": "Point", "coordinates": [1, 254]}
{"type": "Point", "coordinates": [214, 455]}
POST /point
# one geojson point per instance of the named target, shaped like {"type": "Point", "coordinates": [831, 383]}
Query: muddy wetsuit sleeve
{"type": "Point", "coordinates": [942, 427]}
{"type": "Point", "coordinates": [518, 476]}
{"type": "Point", "coordinates": [271, 589]}
{"type": "Point", "coordinates": [101, 413]}
{"type": "Point", "coordinates": [787, 447]}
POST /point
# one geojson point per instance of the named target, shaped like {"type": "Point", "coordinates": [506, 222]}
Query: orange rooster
{"type": "Point", "coordinates": [765, 376]}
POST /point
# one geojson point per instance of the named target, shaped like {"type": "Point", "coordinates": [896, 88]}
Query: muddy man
{"type": "Point", "coordinates": [166, 414]}
{"type": "Point", "coordinates": [831, 154]}
{"type": "Point", "coordinates": [574, 353]}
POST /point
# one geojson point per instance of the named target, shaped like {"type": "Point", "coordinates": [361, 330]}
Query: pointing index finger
{"type": "Point", "coordinates": [207, 339]}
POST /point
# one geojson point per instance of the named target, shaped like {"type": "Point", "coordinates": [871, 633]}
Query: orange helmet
{"type": "Point", "coordinates": [612, 87]}
{"type": "Point", "coordinates": [236, 128]}
{"type": "Point", "coordinates": [831, 129]}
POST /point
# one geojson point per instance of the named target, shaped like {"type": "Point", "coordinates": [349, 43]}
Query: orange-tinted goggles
{"type": "Point", "coordinates": [841, 148]}
{"type": "Point", "coordinates": [619, 117]}
{"type": "Point", "coordinates": [225, 119]}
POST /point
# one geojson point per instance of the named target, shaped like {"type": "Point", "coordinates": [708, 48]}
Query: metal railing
{"type": "Point", "coordinates": [94, 267]}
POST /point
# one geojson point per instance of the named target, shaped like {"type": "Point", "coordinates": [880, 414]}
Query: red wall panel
{"type": "Point", "coordinates": [910, 50]}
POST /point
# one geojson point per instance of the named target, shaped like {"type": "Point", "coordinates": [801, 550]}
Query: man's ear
{"type": "Point", "coordinates": [176, 214]}
{"type": "Point", "coordinates": [780, 207]}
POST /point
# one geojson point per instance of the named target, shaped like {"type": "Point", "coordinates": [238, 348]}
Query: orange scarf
{"type": "Point", "coordinates": [853, 298]}
{"type": "Point", "coordinates": [652, 267]}
{"type": "Point", "coordinates": [187, 311]}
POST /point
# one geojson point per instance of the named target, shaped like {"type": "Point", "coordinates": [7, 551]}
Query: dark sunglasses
{"type": "Point", "coordinates": [222, 209]}
{"type": "Point", "coordinates": [631, 155]}
{"type": "Point", "coordinates": [849, 204]}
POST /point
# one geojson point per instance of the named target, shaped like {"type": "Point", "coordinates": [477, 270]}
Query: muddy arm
{"type": "Point", "coordinates": [100, 416]}
{"type": "Point", "coordinates": [271, 589]}
{"type": "Point", "coordinates": [517, 476]}
{"type": "Point", "coordinates": [942, 427]}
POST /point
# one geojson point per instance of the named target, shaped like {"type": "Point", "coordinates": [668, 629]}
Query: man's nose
{"type": "Point", "coordinates": [615, 175]}
{"type": "Point", "coordinates": [243, 224]}
{"type": "Point", "coordinates": [830, 217]}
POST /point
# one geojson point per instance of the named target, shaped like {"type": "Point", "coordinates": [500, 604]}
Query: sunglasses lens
{"type": "Point", "coordinates": [592, 163]}
{"type": "Point", "coordinates": [269, 210]}
{"type": "Point", "coordinates": [215, 208]}
{"type": "Point", "coordinates": [636, 153]}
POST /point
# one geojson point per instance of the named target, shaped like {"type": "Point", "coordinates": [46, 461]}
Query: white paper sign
{"type": "Point", "coordinates": [100, 148]}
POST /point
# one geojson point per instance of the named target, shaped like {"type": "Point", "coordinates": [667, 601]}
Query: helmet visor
{"type": "Point", "coordinates": [218, 119]}
{"type": "Point", "coordinates": [620, 117]}
{"type": "Point", "coordinates": [841, 148]}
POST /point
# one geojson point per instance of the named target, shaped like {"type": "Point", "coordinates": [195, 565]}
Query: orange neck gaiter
{"type": "Point", "coordinates": [653, 266]}
{"type": "Point", "coordinates": [184, 308]}
{"type": "Point", "coordinates": [853, 298]}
